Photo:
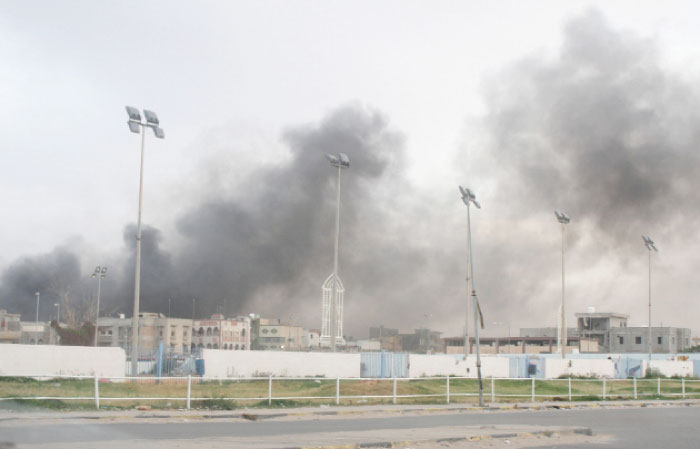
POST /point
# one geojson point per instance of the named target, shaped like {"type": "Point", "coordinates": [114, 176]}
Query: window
{"type": "Point", "coordinates": [243, 332]}
{"type": "Point", "coordinates": [621, 339]}
{"type": "Point", "coordinates": [638, 340]}
{"type": "Point", "coordinates": [659, 340]}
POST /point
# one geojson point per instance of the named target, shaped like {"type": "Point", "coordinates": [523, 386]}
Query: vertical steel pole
{"type": "Point", "coordinates": [603, 388]}
{"type": "Point", "coordinates": [189, 390]}
{"type": "Point", "coordinates": [37, 306]}
{"type": "Point", "coordinates": [493, 390]}
{"type": "Point", "coordinates": [475, 305]}
{"type": "Point", "coordinates": [337, 391]}
{"type": "Point", "coordinates": [532, 395]}
{"type": "Point", "coordinates": [269, 390]}
{"type": "Point", "coordinates": [683, 387]}
{"type": "Point", "coordinates": [447, 389]}
{"type": "Point", "coordinates": [97, 392]}
{"type": "Point", "coordinates": [569, 389]}
{"type": "Point", "coordinates": [466, 320]}
{"type": "Point", "coordinates": [658, 386]}
{"type": "Point", "coordinates": [394, 394]}
{"type": "Point", "coordinates": [137, 274]}
{"type": "Point", "coordinates": [634, 384]}
{"type": "Point", "coordinates": [97, 314]}
{"type": "Point", "coordinates": [564, 337]}
{"type": "Point", "coordinates": [334, 290]}
{"type": "Point", "coordinates": [649, 305]}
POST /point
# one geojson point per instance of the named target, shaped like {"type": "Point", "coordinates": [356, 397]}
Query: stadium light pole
{"type": "Point", "coordinates": [137, 126]}
{"type": "Point", "coordinates": [468, 197]}
{"type": "Point", "coordinates": [99, 274]}
{"type": "Point", "coordinates": [564, 337]}
{"type": "Point", "coordinates": [340, 161]}
{"type": "Point", "coordinates": [649, 243]}
{"type": "Point", "coordinates": [37, 306]}
{"type": "Point", "coordinates": [58, 313]}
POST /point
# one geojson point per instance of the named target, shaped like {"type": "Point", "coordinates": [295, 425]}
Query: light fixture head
{"type": "Point", "coordinates": [562, 217]}
{"type": "Point", "coordinates": [159, 132]}
{"type": "Point", "coordinates": [134, 127]}
{"type": "Point", "coordinates": [344, 160]}
{"type": "Point", "coordinates": [151, 117]}
{"type": "Point", "coordinates": [467, 196]}
{"type": "Point", "coordinates": [649, 243]}
{"type": "Point", "coordinates": [134, 113]}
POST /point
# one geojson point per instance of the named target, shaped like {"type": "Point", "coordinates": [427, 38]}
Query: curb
{"type": "Point", "coordinates": [494, 436]}
{"type": "Point", "coordinates": [254, 415]}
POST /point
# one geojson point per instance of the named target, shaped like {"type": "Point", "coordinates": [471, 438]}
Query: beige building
{"type": "Point", "coordinates": [519, 345]}
{"type": "Point", "coordinates": [154, 328]}
{"type": "Point", "coordinates": [218, 332]}
{"type": "Point", "coordinates": [273, 335]}
{"type": "Point", "coordinates": [10, 327]}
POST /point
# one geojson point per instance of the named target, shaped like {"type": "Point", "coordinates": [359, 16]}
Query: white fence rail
{"type": "Point", "coordinates": [339, 389]}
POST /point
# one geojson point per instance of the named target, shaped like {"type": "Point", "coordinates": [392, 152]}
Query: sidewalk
{"type": "Point", "coordinates": [328, 411]}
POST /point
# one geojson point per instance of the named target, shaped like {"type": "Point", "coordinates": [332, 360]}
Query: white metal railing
{"type": "Point", "coordinates": [519, 388]}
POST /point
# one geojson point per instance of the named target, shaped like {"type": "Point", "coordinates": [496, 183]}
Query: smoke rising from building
{"type": "Point", "coordinates": [601, 130]}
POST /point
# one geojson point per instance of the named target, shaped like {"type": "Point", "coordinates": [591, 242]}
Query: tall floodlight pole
{"type": "Point", "coordinates": [58, 313]}
{"type": "Point", "coordinates": [99, 274]}
{"type": "Point", "coordinates": [564, 337]}
{"type": "Point", "coordinates": [650, 245]}
{"type": "Point", "coordinates": [469, 197]}
{"type": "Point", "coordinates": [137, 126]}
{"type": "Point", "coordinates": [37, 306]}
{"type": "Point", "coordinates": [340, 161]}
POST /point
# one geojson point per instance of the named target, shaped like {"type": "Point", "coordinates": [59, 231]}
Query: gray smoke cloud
{"type": "Point", "coordinates": [601, 130]}
{"type": "Point", "coordinates": [604, 132]}
{"type": "Point", "coordinates": [269, 248]}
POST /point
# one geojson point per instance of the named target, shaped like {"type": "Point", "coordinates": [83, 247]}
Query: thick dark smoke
{"type": "Point", "coordinates": [601, 130]}
{"type": "Point", "coordinates": [269, 249]}
{"type": "Point", "coordinates": [604, 132]}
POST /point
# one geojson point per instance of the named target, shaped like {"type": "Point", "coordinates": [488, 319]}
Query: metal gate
{"type": "Point", "coordinates": [384, 364]}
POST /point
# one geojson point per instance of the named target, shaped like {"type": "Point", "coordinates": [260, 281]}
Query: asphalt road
{"type": "Point", "coordinates": [634, 428]}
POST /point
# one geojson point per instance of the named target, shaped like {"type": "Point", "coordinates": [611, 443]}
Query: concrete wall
{"type": "Point", "coordinates": [672, 367]}
{"type": "Point", "coordinates": [221, 363]}
{"type": "Point", "coordinates": [554, 368]}
{"type": "Point", "coordinates": [34, 360]}
{"type": "Point", "coordinates": [420, 365]}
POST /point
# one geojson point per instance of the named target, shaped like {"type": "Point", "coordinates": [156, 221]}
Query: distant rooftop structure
{"type": "Point", "coordinates": [602, 315]}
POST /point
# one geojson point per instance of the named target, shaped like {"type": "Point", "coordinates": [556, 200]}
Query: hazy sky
{"type": "Point", "coordinates": [244, 88]}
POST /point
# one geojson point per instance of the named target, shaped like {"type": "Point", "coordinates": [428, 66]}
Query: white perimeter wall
{"type": "Point", "coordinates": [579, 367]}
{"type": "Point", "coordinates": [672, 367]}
{"type": "Point", "coordinates": [223, 363]}
{"type": "Point", "coordinates": [34, 360]}
{"type": "Point", "coordinates": [421, 365]}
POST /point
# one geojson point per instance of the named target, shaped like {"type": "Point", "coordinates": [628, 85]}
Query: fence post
{"type": "Point", "coordinates": [394, 398]}
{"type": "Point", "coordinates": [189, 390]}
{"type": "Point", "coordinates": [634, 381]}
{"type": "Point", "coordinates": [337, 391]}
{"type": "Point", "coordinates": [97, 392]}
{"type": "Point", "coordinates": [493, 390]}
{"type": "Point", "coordinates": [683, 387]}
{"type": "Point", "coordinates": [658, 386]}
{"type": "Point", "coordinates": [603, 388]}
{"type": "Point", "coordinates": [269, 390]}
{"type": "Point", "coordinates": [447, 393]}
{"type": "Point", "coordinates": [533, 389]}
{"type": "Point", "coordinates": [569, 389]}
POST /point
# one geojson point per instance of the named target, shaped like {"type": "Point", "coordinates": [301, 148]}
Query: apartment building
{"type": "Point", "coordinates": [219, 332]}
{"type": "Point", "coordinates": [154, 329]}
